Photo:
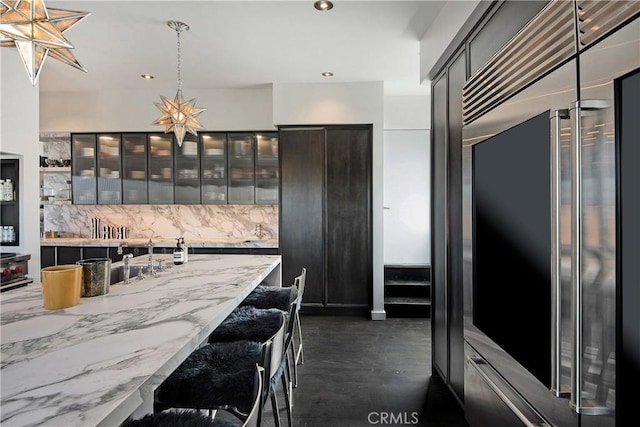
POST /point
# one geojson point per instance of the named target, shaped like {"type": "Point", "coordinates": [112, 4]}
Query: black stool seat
{"type": "Point", "coordinates": [264, 296]}
{"type": "Point", "coordinates": [248, 323]}
{"type": "Point", "coordinates": [178, 419]}
{"type": "Point", "coordinates": [214, 376]}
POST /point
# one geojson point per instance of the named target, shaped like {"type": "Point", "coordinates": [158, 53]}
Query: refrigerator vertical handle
{"type": "Point", "coordinates": [577, 402]}
{"type": "Point", "coordinates": [557, 388]}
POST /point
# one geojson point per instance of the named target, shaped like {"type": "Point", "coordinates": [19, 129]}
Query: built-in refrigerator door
{"type": "Point", "coordinates": [594, 221]}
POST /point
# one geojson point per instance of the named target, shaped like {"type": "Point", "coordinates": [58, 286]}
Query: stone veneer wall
{"type": "Point", "coordinates": [145, 221]}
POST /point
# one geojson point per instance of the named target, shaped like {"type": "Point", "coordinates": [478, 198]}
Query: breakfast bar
{"type": "Point", "coordinates": [100, 361]}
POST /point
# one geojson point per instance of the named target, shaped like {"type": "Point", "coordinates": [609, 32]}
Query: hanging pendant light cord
{"type": "Point", "coordinates": [179, 30]}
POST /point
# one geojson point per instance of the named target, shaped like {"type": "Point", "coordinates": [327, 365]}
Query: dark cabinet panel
{"type": "Point", "coordinates": [68, 255]}
{"type": "Point", "coordinates": [439, 189]}
{"type": "Point", "coordinates": [266, 251]}
{"type": "Point", "coordinates": [95, 252]}
{"type": "Point", "coordinates": [457, 78]}
{"type": "Point", "coordinates": [348, 206]}
{"type": "Point", "coordinates": [47, 256]}
{"type": "Point", "coordinates": [301, 209]}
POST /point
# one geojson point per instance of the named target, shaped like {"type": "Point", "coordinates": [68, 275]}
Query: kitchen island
{"type": "Point", "coordinates": [98, 362]}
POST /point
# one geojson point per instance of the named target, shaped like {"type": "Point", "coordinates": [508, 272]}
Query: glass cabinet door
{"type": "Point", "coordinates": [160, 168]}
{"type": "Point", "coordinates": [267, 172]}
{"type": "Point", "coordinates": [83, 167]}
{"type": "Point", "coordinates": [214, 168]}
{"type": "Point", "coordinates": [109, 169]}
{"type": "Point", "coordinates": [134, 168]}
{"type": "Point", "coordinates": [187, 180]}
{"type": "Point", "coordinates": [241, 168]}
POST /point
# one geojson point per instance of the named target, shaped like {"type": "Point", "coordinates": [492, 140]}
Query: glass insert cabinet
{"type": "Point", "coordinates": [150, 168]}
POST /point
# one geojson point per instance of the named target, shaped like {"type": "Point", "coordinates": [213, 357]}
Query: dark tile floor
{"type": "Point", "coordinates": [359, 372]}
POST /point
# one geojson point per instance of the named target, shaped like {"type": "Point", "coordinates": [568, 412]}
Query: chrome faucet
{"type": "Point", "coordinates": [149, 245]}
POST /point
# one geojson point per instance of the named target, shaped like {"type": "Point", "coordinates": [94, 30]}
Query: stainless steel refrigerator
{"type": "Point", "coordinates": [551, 219]}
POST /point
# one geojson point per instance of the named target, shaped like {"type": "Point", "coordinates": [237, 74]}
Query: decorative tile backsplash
{"type": "Point", "coordinates": [147, 221]}
{"type": "Point", "coordinates": [166, 221]}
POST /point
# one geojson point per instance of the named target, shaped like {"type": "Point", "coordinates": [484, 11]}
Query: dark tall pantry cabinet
{"type": "Point", "coordinates": [325, 214]}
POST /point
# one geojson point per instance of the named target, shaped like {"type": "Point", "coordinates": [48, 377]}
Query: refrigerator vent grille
{"type": "Point", "coordinates": [596, 19]}
{"type": "Point", "coordinates": [541, 45]}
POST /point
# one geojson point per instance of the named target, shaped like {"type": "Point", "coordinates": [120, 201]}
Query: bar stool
{"type": "Point", "coordinates": [248, 323]}
{"type": "Point", "coordinates": [220, 376]}
{"type": "Point", "coordinates": [176, 419]}
{"type": "Point", "coordinates": [188, 418]}
{"type": "Point", "coordinates": [265, 296]}
{"type": "Point", "coordinates": [254, 324]}
{"type": "Point", "coordinates": [297, 349]}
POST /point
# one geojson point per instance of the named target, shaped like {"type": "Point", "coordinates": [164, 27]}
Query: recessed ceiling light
{"type": "Point", "coordinates": [323, 5]}
{"type": "Point", "coordinates": [327, 74]}
{"type": "Point", "coordinates": [146, 76]}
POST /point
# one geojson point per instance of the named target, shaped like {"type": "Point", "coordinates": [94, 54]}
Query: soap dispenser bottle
{"type": "Point", "coordinates": [185, 250]}
{"type": "Point", "coordinates": [178, 253]}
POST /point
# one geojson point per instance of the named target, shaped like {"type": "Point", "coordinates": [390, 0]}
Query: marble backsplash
{"type": "Point", "coordinates": [166, 221]}
{"type": "Point", "coordinates": [55, 145]}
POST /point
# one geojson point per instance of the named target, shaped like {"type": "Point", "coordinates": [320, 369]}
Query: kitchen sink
{"type": "Point", "coordinates": [117, 272]}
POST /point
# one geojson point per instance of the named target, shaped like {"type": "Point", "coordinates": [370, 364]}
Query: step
{"type": "Point", "coordinates": [407, 301]}
{"type": "Point", "coordinates": [416, 272]}
{"type": "Point", "coordinates": [424, 283]}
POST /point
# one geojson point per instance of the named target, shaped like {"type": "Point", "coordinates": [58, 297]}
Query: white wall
{"type": "Point", "coordinates": [408, 112]}
{"type": "Point", "coordinates": [407, 237]}
{"type": "Point", "coordinates": [344, 103]}
{"type": "Point", "coordinates": [19, 138]}
{"type": "Point", "coordinates": [135, 111]}
{"type": "Point", "coordinates": [444, 28]}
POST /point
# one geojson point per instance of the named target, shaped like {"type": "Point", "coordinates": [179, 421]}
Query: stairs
{"type": "Point", "coordinates": [407, 290]}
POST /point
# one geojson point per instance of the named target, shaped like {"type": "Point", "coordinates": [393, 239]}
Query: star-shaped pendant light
{"type": "Point", "coordinates": [179, 116]}
{"type": "Point", "coordinates": [37, 32]}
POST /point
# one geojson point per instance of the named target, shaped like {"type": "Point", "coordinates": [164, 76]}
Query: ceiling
{"type": "Point", "coordinates": [243, 44]}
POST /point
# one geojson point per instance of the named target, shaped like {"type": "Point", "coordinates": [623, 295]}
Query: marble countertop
{"type": "Point", "coordinates": [162, 243]}
{"type": "Point", "coordinates": [96, 363]}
